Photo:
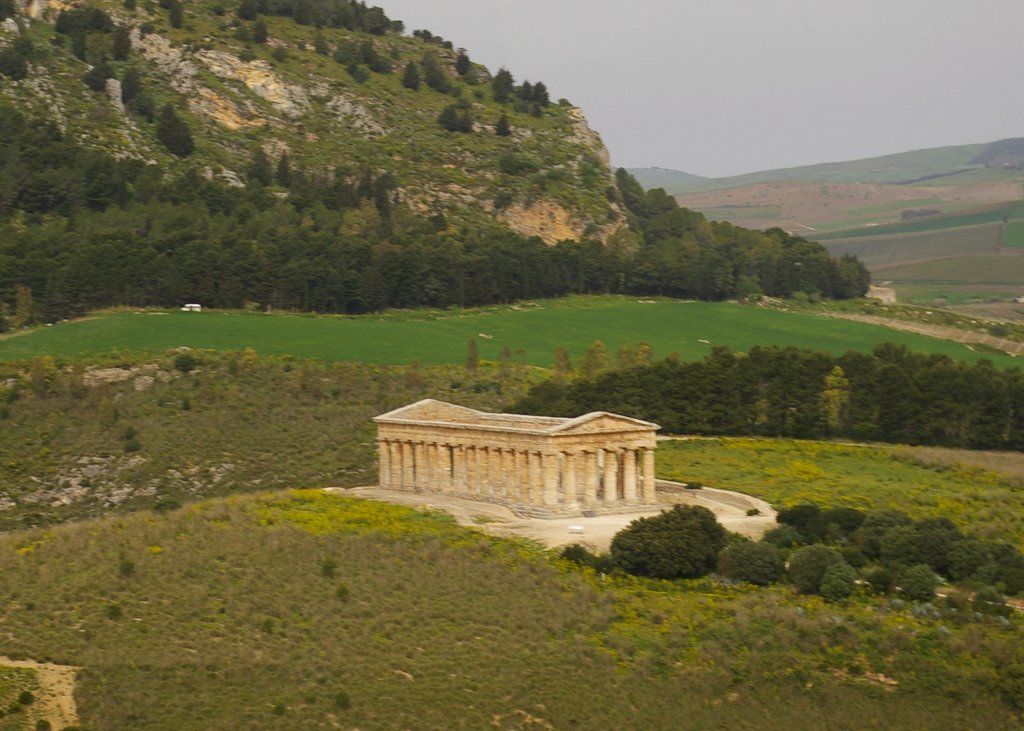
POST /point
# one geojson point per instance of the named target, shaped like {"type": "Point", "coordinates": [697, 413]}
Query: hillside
{"type": "Point", "coordinates": [898, 168]}
{"type": "Point", "coordinates": [324, 85]}
{"type": "Point", "coordinates": [306, 610]}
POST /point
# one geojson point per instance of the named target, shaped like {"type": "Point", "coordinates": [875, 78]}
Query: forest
{"type": "Point", "coordinates": [336, 241]}
{"type": "Point", "coordinates": [889, 395]}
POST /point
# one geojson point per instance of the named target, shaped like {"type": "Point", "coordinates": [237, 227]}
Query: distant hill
{"type": "Point", "coordinates": [899, 168]}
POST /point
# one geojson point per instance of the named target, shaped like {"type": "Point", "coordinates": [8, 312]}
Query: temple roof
{"type": "Point", "coordinates": [439, 413]}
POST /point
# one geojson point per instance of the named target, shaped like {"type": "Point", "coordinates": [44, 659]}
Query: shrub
{"type": "Point", "coordinates": [838, 582]}
{"type": "Point", "coordinates": [881, 579]}
{"type": "Point", "coordinates": [185, 362]}
{"type": "Point", "coordinates": [755, 563]}
{"type": "Point", "coordinates": [683, 542]}
{"type": "Point", "coordinates": [580, 555]}
{"type": "Point", "coordinates": [990, 601]}
{"type": "Point", "coordinates": [783, 536]}
{"type": "Point", "coordinates": [918, 583]}
{"type": "Point", "coordinates": [807, 567]}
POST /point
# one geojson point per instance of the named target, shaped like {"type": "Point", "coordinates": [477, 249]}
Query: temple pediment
{"type": "Point", "coordinates": [601, 422]}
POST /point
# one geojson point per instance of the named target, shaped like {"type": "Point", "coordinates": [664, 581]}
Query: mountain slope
{"type": "Point", "coordinates": [334, 99]}
{"type": "Point", "coordinates": [914, 166]}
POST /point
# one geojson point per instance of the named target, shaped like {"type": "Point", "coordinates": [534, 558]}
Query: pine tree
{"type": "Point", "coordinates": [96, 77]}
{"type": "Point", "coordinates": [122, 42]}
{"type": "Point", "coordinates": [502, 86]}
{"type": "Point", "coordinates": [259, 168]}
{"type": "Point", "coordinates": [411, 77]}
{"type": "Point", "coordinates": [131, 85]}
{"type": "Point", "coordinates": [462, 63]}
{"type": "Point", "coordinates": [540, 94]}
{"type": "Point", "coordinates": [177, 14]}
{"type": "Point", "coordinates": [503, 128]}
{"type": "Point", "coordinates": [259, 32]}
{"type": "Point", "coordinates": [173, 133]}
{"type": "Point", "coordinates": [284, 171]}
{"type": "Point", "coordinates": [248, 10]}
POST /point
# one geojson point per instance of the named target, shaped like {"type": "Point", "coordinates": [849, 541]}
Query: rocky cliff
{"type": "Point", "coordinates": [334, 99]}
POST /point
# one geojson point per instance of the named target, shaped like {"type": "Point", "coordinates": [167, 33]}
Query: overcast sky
{"type": "Point", "coordinates": [720, 87]}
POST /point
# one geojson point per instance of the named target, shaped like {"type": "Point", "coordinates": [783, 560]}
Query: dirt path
{"type": "Point", "coordinates": [55, 701]}
{"type": "Point", "coordinates": [1013, 347]}
{"type": "Point", "coordinates": [595, 532]}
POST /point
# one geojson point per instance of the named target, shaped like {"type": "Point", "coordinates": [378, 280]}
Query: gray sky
{"type": "Point", "coordinates": [719, 87]}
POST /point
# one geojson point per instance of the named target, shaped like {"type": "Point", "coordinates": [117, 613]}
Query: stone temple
{"type": "Point", "coordinates": [536, 465]}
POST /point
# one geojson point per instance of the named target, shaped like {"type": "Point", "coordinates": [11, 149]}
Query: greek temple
{"type": "Point", "coordinates": [536, 465]}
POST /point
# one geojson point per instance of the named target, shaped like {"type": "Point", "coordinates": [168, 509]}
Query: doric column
{"type": "Point", "coordinates": [472, 487]}
{"type": "Point", "coordinates": [611, 491]}
{"type": "Point", "coordinates": [536, 479]}
{"type": "Point", "coordinates": [395, 469]}
{"type": "Point", "coordinates": [483, 476]}
{"type": "Point", "coordinates": [589, 478]}
{"type": "Point", "coordinates": [458, 469]}
{"type": "Point", "coordinates": [383, 463]}
{"type": "Point", "coordinates": [494, 464]}
{"type": "Point", "coordinates": [420, 457]}
{"type": "Point", "coordinates": [444, 469]}
{"type": "Point", "coordinates": [523, 474]}
{"type": "Point", "coordinates": [629, 475]}
{"type": "Point", "coordinates": [650, 494]}
{"type": "Point", "coordinates": [569, 478]}
{"type": "Point", "coordinates": [550, 462]}
{"type": "Point", "coordinates": [408, 468]}
{"type": "Point", "coordinates": [509, 477]}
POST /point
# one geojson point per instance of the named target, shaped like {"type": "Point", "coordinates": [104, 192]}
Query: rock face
{"type": "Point", "coordinates": [545, 219]}
{"type": "Point", "coordinates": [291, 95]}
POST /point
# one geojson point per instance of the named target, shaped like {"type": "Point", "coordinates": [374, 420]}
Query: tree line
{"type": "Point", "coordinates": [889, 395]}
{"type": "Point", "coordinates": [290, 238]}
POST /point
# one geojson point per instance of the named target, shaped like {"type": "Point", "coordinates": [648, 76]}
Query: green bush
{"type": "Point", "coordinates": [807, 567]}
{"type": "Point", "coordinates": [755, 563]}
{"type": "Point", "coordinates": [683, 542]}
{"type": "Point", "coordinates": [838, 582]}
{"type": "Point", "coordinates": [918, 583]}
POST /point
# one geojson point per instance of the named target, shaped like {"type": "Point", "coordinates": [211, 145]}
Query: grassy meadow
{"type": "Point", "coordinates": [309, 610]}
{"type": "Point", "coordinates": [531, 331]}
{"type": "Point", "coordinates": [982, 492]}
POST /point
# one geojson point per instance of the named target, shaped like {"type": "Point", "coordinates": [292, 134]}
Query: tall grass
{"type": "Point", "coordinates": [315, 611]}
{"type": "Point", "coordinates": [978, 490]}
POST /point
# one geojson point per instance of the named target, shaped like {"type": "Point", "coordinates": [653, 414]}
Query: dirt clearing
{"type": "Point", "coordinates": [731, 509]}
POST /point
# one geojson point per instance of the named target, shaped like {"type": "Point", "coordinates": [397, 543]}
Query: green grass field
{"type": "Point", "coordinates": [974, 490]}
{"type": "Point", "coordinates": [532, 332]}
{"type": "Point", "coordinates": [1013, 234]}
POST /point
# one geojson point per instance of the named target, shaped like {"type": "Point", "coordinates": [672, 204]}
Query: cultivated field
{"type": "Point", "coordinates": [892, 250]}
{"type": "Point", "coordinates": [531, 332]}
{"type": "Point", "coordinates": [815, 208]}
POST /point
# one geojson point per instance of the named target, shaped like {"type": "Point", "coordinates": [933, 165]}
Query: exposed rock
{"type": "Point", "coordinates": [544, 218]}
{"type": "Point", "coordinates": [114, 92]}
{"type": "Point", "coordinates": [259, 78]}
{"type": "Point", "coordinates": [356, 116]}
{"type": "Point", "coordinates": [36, 9]}
{"type": "Point", "coordinates": [10, 25]}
